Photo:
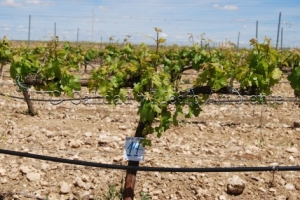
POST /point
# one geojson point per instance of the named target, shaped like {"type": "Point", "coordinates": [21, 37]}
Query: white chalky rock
{"type": "Point", "coordinates": [85, 194]}
{"type": "Point", "coordinates": [2, 171]}
{"type": "Point", "coordinates": [85, 178]}
{"type": "Point", "coordinates": [75, 143]}
{"type": "Point", "coordinates": [10, 123]}
{"type": "Point", "coordinates": [222, 197]}
{"type": "Point", "coordinates": [43, 130]}
{"type": "Point", "coordinates": [3, 180]}
{"type": "Point", "coordinates": [156, 192]}
{"type": "Point", "coordinates": [50, 134]}
{"type": "Point", "coordinates": [79, 182]}
{"type": "Point", "coordinates": [64, 188]}
{"type": "Point", "coordinates": [236, 185]}
{"type": "Point", "coordinates": [248, 151]}
{"type": "Point", "coordinates": [292, 150]}
{"type": "Point", "coordinates": [25, 169]}
{"type": "Point", "coordinates": [281, 197]}
{"type": "Point", "coordinates": [272, 190]}
{"type": "Point", "coordinates": [262, 189]}
{"type": "Point", "coordinates": [88, 134]}
{"type": "Point", "coordinates": [202, 127]}
{"type": "Point", "coordinates": [122, 127]}
{"type": "Point", "coordinates": [32, 176]}
{"type": "Point", "coordinates": [289, 186]}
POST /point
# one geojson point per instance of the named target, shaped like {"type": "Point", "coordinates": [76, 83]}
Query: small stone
{"type": "Point", "coordinates": [122, 127]}
{"type": "Point", "coordinates": [223, 108]}
{"type": "Point", "coordinates": [236, 185]}
{"type": "Point", "coordinates": [10, 123]}
{"type": "Point", "coordinates": [202, 127]}
{"type": "Point", "coordinates": [192, 178]}
{"type": "Point", "coordinates": [88, 134]}
{"type": "Point", "coordinates": [50, 134]}
{"type": "Point", "coordinates": [3, 180]}
{"type": "Point", "coordinates": [156, 150]}
{"type": "Point", "coordinates": [281, 197]}
{"type": "Point", "coordinates": [157, 174]}
{"type": "Point", "coordinates": [117, 158]}
{"type": "Point", "coordinates": [44, 183]}
{"type": "Point", "coordinates": [179, 193]}
{"type": "Point", "coordinates": [84, 178]}
{"type": "Point", "coordinates": [156, 192]}
{"type": "Point", "coordinates": [86, 194]}
{"type": "Point", "coordinates": [32, 176]}
{"type": "Point", "coordinates": [226, 164]}
{"type": "Point", "coordinates": [262, 189]}
{"type": "Point", "coordinates": [2, 171]}
{"type": "Point", "coordinates": [64, 188]}
{"type": "Point", "coordinates": [222, 197]}
{"type": "Point", "coordinates": [79, 182]}
{"type": "Point", "coordinates": [255, 178]}
{"type": "Point", "coordinates": [75, 143]}
{"type": "Point", "coordinates": [221, 184]}
{"type": "Point", "coordinates": [13, 176]}
{"type": "Point", "coordinates": [282, 182]}
{"type": "Point", "coordinates": [292, 150]}
{"type": "Point", "coordinates": [25, 169]}
{"type": "Point", "coordinates": [186, 147]}
{"type": "Point", "coordinates": [108, 120]}
{"type": "Point", "coordinates": [272, 190]}
{"type": "Point", "coordinates": [297, 186]}
{"type": "Point", "coordinates": [289, 186]}
{"type": "Point", "coordinates": [45, 166]}
{"type": "Point", "coordinates": [292, 196]}
{"type": "Point", "coordinates": [171, 177]}
{"type": "Point", "coordinates": [248, 151]}
{"type": "Point", "coordinates": [217, 125]}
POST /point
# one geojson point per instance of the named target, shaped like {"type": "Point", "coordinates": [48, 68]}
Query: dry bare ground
{"type": "Point", "coordinates": [222, 136]}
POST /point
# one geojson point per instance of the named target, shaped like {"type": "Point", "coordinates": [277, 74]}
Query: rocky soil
{"type": "Point", "coordinates": [222, 136]}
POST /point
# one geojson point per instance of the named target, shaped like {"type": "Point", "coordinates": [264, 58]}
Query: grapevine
{"type": "Point", "coordinates": [5, 53]}
{"type": "Point", "coordinates": [153, 74]}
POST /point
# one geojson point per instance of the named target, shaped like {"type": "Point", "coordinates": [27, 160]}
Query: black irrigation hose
{"type": "Point", "coordinates": [10, 96]}
{"type": "Point", "coordinates": [158, 169]}
{"type": "Point", "coordinates": [54, 100]}
{"type": "Point", "coordinates": [211, 100]}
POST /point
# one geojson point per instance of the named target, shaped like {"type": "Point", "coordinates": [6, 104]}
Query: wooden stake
{"type": "Point", "coordinates": [131, 174]}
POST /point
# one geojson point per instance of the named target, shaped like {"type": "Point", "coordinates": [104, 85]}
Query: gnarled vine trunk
{"type": "Point", "coordinates": [1, 71]}
{"type": "Point", "coordinates": [29, 103]}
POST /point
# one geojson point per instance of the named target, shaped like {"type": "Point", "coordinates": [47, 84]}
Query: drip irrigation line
{"type": "Point", "coordinates": [54, 100]}
{"type": "Point", "coordinates": [24, 194]}
{"type": "Point", "coordinates": [209, 101]}
{"type": "Point", "coordinates": [83, 154]}
{"type": "Point", "coordinates": [151, 155]}
{"type": "Point", "coordinates": [11, 96]}
{"type": "Point", "coordinates": [159, 169]}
